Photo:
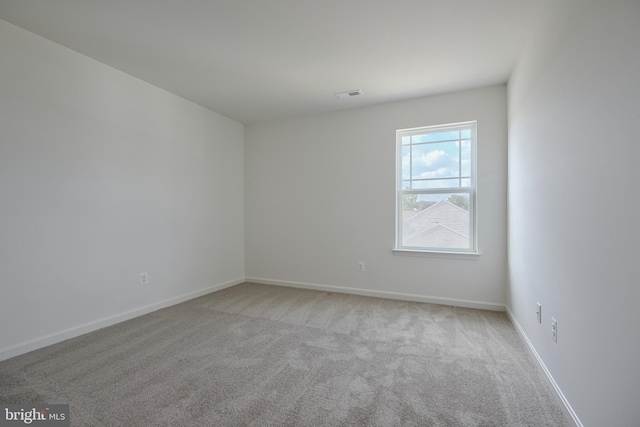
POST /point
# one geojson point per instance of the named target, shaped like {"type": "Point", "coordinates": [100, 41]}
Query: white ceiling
{"type": "Point", "coordinates": [257, 60]}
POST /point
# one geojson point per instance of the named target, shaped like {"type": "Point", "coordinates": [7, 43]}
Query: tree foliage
{"type": "Point", "coordinates": [410, 202]}
{"type": "Point", "coordinates": [461, 201]}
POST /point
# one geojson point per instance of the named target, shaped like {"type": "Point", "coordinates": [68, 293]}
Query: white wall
{"type": "Point", "coordinates": [320, 196]}
{"type": "Point", "coordinates": [103, 176]}
{"type": "Point", "coordinates": [574, 121]}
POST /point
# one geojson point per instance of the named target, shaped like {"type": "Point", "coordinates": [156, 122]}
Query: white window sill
{"type": "Point", "coordinates": [472, 256]}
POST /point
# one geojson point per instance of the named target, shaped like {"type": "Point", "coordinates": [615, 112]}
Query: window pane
{"type": "Point", "coordinates": [438, 160]}
{"type": "Point", "coordinates": [465, 156]}
{"type": "Point", "coordinates": [406, 171]}
{"type": "Point", "coordinates": [406, 140]}
{"type": "Point", "coordinates": [436, 221]}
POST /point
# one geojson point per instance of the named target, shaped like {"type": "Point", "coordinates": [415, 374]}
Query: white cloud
{"type": "Point", "coordinates": [437, 164]}
{"type": "Point", "coordinates": [433, 158]}
{"type": "Point", "coordinates": [437, 173]}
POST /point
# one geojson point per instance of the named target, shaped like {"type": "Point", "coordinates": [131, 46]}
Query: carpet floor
{"type": "Point", "coordinates": [259, 355]}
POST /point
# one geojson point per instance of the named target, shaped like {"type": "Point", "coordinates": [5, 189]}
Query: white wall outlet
{"type": "Point", "coordinates": [539, 312]}
{"type": "Point", "coordinates": [360, 266]}
{"type": "Point", "coordinates": [554, 329]}
{"type": "Point", "coordinates": [144, 278]}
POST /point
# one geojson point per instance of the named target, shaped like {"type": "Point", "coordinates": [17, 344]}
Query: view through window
{"type": "Point", "coordinates": [436, 188]}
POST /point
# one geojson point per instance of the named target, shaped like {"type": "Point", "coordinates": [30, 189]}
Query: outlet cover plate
{"type": "Point", "coordinates": [144, 278]}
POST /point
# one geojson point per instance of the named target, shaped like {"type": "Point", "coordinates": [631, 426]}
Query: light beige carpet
{"type": "Point", "coordinates": [258, 355]}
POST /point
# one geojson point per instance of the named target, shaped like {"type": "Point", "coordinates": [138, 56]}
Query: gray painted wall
{"type": "Point", "coordinates": [574, 121]}
{"type": "Point", "coordinates": [102, 177]}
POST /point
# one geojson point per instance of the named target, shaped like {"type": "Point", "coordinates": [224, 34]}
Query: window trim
{"type": "Point", "coordinates": [472, 190]}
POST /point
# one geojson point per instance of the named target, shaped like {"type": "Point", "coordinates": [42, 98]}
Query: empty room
{"type": "Point", "coordinates": [319, 213]}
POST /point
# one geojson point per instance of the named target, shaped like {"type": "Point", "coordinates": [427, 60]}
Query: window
{"type": "Point", "coordinates": [436, 188]}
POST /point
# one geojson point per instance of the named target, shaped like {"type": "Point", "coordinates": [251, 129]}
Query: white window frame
{"type": "Point", "coordinates": [471, 190]}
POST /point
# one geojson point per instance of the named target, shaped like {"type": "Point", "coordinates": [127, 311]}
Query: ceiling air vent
{"type": "Point", "coordinates": [348, 94]}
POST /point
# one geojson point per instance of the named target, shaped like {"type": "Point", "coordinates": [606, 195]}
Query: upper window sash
{"type": "Point", "coordinates": [421, 148]}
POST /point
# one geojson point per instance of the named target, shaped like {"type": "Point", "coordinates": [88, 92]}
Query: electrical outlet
{"type": "Point", "coordinates": [554, 329]}
{"type": "Point", "coordinates": [360, 266]}
{"type": "Point", "coordinates": [539, 312]}
{"type": "Point", "coordinates": [144, 278]}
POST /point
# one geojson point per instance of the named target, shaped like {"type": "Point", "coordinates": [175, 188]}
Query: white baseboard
{"type": "Point", "coordinates": [56, 337]}
{"type": "Point", "coordinates": [552, 381]}
{"type": "Point", "coordinates": [382, 294]}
